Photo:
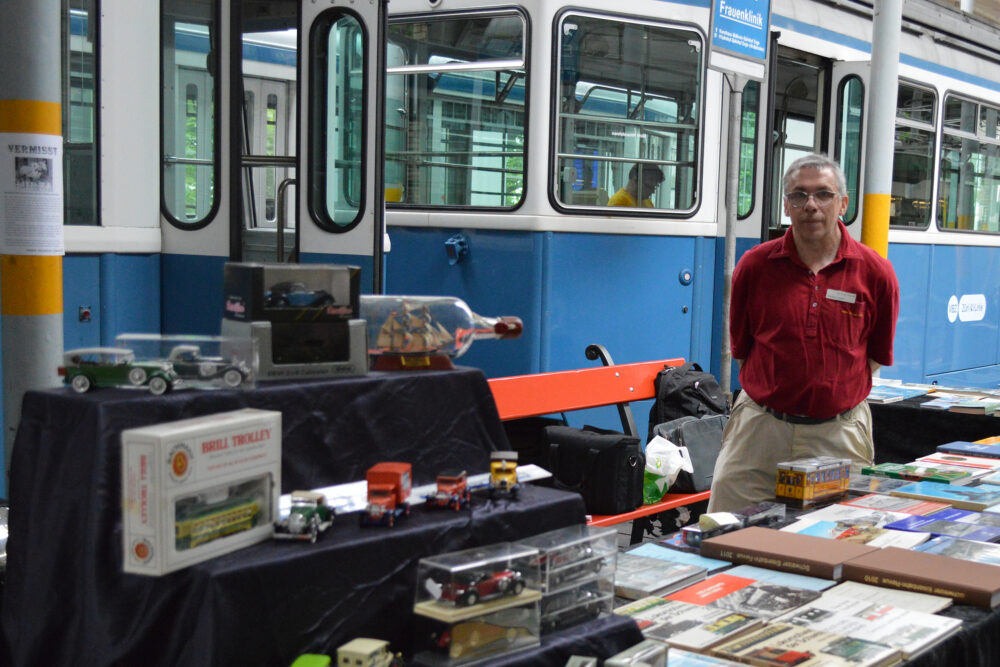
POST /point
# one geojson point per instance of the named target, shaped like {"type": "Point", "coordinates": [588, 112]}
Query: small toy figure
{"type": "Point", "coordinates": [388, 493]}
{"type": "Point", "coordinates": [503, 475]}
{"type": "Point", "coordinates": [482, 585]}
{"type": "Point", "coordinates": [309, 516]}
{"type": "Point", "coordinates": [363, 652]}
{"type": "Point", "coordinates": [90, 367]}
{"type": "Point", "coordinates": [452, 491]}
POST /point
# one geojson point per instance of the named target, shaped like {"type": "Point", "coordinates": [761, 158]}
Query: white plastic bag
{"type": "Point", "coordinates": [664, 461]}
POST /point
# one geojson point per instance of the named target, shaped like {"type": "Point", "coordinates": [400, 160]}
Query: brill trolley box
{"type": "Point", "coordinates": [198, 488]}
{"type": "Point", "coordinates": [304, 318]}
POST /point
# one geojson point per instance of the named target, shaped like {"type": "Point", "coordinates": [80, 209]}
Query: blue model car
{"type": "Point", "coordinates": [292, 294]}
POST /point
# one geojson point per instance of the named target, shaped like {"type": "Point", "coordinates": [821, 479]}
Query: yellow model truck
{"type": "Point", "coordinates": [503, 475]}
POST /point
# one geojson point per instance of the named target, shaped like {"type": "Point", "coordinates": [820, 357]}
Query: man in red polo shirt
{"type": "Point", "coordinates": [813, 315]}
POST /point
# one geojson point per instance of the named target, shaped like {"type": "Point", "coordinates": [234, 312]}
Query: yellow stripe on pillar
{"type": "Point", "coordinates": [31, 285]}
{"type": "Point", "coordinates": [30, 117]}
{"type": "Point", "coordinates": [875, 223]}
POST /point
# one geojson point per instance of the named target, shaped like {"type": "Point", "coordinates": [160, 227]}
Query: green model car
{"type": "Point", "coordinates": [309, 516]}
{"type": "Point", "coordinates": [85, 368]}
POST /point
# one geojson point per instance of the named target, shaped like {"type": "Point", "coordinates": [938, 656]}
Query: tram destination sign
{"type": "Point", "coordinates": [739, 37]}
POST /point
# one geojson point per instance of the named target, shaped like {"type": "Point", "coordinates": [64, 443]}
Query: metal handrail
{"type": "Point", "coordinates": [280, 245]}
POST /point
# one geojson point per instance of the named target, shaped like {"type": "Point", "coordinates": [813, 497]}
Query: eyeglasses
{"type": "Point", "coordinates": [798, 198]}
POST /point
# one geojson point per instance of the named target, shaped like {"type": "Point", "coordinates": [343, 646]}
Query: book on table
{"type": "Point", "coordinates": [855, 524]}
{"type": "Point", "coordinates": [980, 406]}
{"type": "Point", "coordinates": [989, 450]}
{"type": "Point", "coordinates": [930, 472]}
{"type": "Point", "coordinates": [904, 569]}
{"type": "Point", "coordinates": [891, 393]}
{"type": "Point", "coordinates": [943, 458]}
{"type": "Point", "coordinates": [745, 595]}
{"type": "Point", "coordinates": [785, 644]}
{"type": "Point", "coordinates": [956, 547]}
{"type": "Point", "coordinates": [765, 575]}
{"type": "Point", "coordinates": [859, 485]}
{"type": "Point", "coordinates": [943, 401]}
{"type": "Point", "coordinates": [989, 440]}
{"type": "Point", "coordinates": [963, 497]}
{"type": "Point", "coordinates": [637, 577]}
{"type": "Point", "coordinates": [789, 552]}
{"type": "Point", "coordinates": [954, 522]}
{"type": "Point", "coordinates": [687, 625]}
{"type": "Point", "coordinates": [682, 658]}
{"type": "Point", "coordinates": [655, 550]}
{"type": "Point", "coordinates": [878, 501]}
{"type": "Point", "coordinates": [912, 632]}
{"type": "Point", "coordinates": [925, 602]}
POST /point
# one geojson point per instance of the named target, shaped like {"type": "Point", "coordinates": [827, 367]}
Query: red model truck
{"type": "Point", "coordinates": [388, 493]}
{"type": "Point", "coordinates": [452, 490]}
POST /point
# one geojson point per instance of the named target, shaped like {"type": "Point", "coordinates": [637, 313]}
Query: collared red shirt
{"type": "Point", "coordinates": [806, 338]}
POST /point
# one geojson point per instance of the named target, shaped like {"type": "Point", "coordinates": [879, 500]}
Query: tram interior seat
{"type": "Point", "coordinates": [594, 197]}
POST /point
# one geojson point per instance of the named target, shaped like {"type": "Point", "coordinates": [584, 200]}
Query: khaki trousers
{"type": "Point", "coordinates": [755, 442]}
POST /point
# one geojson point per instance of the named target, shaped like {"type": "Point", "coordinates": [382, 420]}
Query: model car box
{"type": "Point", "coordinates": [198, 488]}
{"type": "Point", "coordinates": [297, 293]}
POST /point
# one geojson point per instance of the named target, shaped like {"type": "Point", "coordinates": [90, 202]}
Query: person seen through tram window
{"type": "Point", "coordinates": [630, 195]}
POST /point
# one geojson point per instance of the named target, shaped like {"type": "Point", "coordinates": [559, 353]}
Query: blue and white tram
{"type": "Point", "coordinates": [196, 128]}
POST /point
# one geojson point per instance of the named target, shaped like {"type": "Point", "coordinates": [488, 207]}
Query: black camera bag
{"type": "Point", "coordinates": [604, 467]}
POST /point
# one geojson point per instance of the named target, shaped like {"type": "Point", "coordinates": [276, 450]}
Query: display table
{"type": "Point", "coordinates": [67, 601]}
{"type": "Point", "coordinates": [904, 431]}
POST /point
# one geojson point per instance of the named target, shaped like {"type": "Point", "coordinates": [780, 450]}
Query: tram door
{"type": "Point", "coordinates": [798, 102]}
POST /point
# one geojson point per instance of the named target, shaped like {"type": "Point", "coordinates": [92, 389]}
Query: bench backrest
{"type": "Point", "coordinates": [560, 391]}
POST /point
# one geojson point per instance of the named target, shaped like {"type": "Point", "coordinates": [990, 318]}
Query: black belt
{"type": "Point", "coordinates": [799, 419]}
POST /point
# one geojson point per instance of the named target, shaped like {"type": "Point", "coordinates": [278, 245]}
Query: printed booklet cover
{"type": "Point", "coordinates": [964, 497]}
{"type": "Point", "coordinates": [977, 552]}
{"type": "Point", "coordinates": [785, 644]}
{"type": "Point", "coordinates": [744, 595]}
{"type": "Point", "coordinates": [925, 602]}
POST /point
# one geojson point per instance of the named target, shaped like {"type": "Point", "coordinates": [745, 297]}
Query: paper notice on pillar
{"type": "Point", "coordinates": [31, 184]}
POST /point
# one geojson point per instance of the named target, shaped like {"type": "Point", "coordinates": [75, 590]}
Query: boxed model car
{"type": "Point", "coordinates": [198, 488]}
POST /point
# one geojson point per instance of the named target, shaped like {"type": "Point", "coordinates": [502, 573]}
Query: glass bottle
{"type": "Point", "coordinates": [429, 325]}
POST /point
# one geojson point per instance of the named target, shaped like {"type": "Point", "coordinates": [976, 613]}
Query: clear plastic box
{"type": "Point", "coordinates": [473, 582]}
{"type": "Point", "coordinates": [203, 362]}
{"type": "Point", "coordinates": [577, 604]}
{"type": "Point", "coordinates": [574, 554]}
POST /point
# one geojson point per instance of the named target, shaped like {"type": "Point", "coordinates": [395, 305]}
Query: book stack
{"type": "Point", "coordinates": [917, 472]}
{"type": "Point", "coordinates": [976, 406]}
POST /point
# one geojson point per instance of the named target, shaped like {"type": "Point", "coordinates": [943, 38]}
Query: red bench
{"type": "Point", "coordinates": [547, 393]}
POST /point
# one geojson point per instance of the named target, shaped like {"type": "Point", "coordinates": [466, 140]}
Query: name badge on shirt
{"type": "Point", "coordinates": [837, 295]}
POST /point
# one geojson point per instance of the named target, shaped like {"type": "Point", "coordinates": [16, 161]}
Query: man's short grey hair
{"type": "Point", "coordinates": [816, 161]}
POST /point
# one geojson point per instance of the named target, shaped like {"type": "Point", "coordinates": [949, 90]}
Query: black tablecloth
{"type": "Point", "coordinates": [67, 600]}
{"type": "Point", "coordinates": [903, 431]}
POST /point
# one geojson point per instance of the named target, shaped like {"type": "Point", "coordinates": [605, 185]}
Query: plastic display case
{"type": "Point", "coordinates": [477, 603]}
{"type": "Point", "coordinates": [203, 362]}
{"type": "Point", "coordinates": [576, 567]}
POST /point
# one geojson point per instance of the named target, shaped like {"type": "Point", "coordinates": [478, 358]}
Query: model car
{"type": "Point", "coordinates": [452, 490]}
{"type": "Point", "coordinates": [503, 475]}
{"type": "Point", "coordinates": [309, 516]}
{"type": "Point", "coordinates": [293, 294]}
{"type": "Point", "coordinates": [85, 368]}
{"type": "Point", "coordinates": [188, 363]}
{"type": "Point", "coordinates": [469, 590]}
{"type": "Point", "coordinates": [477, 638]}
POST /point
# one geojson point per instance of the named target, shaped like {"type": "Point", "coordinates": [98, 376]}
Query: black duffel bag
{"type": "Point", "coordinates": [605, 467]}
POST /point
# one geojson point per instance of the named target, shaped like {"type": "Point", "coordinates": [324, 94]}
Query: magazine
{"type": "Point", "coordinates": [878, 501]}
{"type": "Point", "coordinates": [978, 552]}
{"type": "Point", "coordinates": [953, 522]}
{"type": "Point", "coordinates": [784, 644]}
{"type": "Point", "coordinates": [904, 599]}
{"type": "Point", "coordinates": [688, 625]}
{"type": "Point", "coordinates": [653, 550]}
{"type": "Point", "coordinates": [747, 596]}
{"type": "Point", "coordinates": [965, 497]}
{"type": "Point", "coordinates": [637, 577]}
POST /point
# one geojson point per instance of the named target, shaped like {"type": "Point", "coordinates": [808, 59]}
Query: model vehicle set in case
{"type": "Point", "coordinates": [576, 567]}
{"type": "Point", "coordinates": [198, 488]}
{"type": "Point", "coordinates": [811, 481]}
{"type": "Point", "coordinates": [303, 318]}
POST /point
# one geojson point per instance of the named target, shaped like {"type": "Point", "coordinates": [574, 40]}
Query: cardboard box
{"type": "Point", "coordinates": [198, 488]}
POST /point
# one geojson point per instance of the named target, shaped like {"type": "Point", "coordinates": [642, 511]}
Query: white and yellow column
{"type": "Point", "coordinates": [31, 204]}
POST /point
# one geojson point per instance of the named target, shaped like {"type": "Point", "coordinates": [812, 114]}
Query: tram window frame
{"type": "Point", "coordinates": [951, 133]}
{"type": "Point", "coordinates": [749, 119]}
{"type": "Point", "coordinates": [211, 70]}
{"type": "Point", "coordinates": [901, 173]}
{"type": "Point", "coordinates": [852, 175]}
{"type": "Point", "coordinates": [410, 189]}
{"type": "Point", "coordinates": [81, 104]}
{"type": "Point", "coordinates": [560, 172]}
{"type": "Point", "coordinates": [319, 185]}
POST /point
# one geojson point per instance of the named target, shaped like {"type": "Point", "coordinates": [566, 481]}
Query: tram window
{"type": "Point", "coordinates": [850, 106]}
{"type": "Point", "coordinates": [629, 102]}
{"type": "Point", "coordinates": [79, 92]}
{"type": "Point", "coordinates": [190, 59]}
{"type": "Point", "coordinates": [455, 110]}
{"type": "Point", "coordinates": [913, 158]}
{"type": "Point", "coordinates": [969, 184]}
{"type": "Point", "coordinates": [338, 93]}
{"type": "Point", "coordinates": [748, 148]}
